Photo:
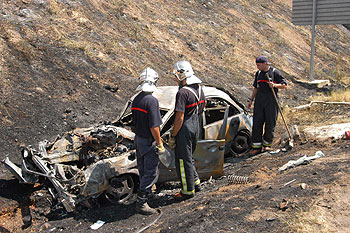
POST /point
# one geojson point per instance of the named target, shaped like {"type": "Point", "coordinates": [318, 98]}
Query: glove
{"type": "Point", "coordinates": [171, 142]}
{"type": "Point", "coordinates": [160, 149]}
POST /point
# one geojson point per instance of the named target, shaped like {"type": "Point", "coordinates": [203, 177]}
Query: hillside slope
{"type": "Point", "coordinates": [67, 64]}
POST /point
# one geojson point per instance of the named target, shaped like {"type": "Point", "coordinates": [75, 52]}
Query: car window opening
{"type": "Point", "coordinates": [215, 110]}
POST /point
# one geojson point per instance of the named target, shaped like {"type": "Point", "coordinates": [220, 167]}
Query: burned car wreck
{"type": "Point", "coordinates": [87, 163]}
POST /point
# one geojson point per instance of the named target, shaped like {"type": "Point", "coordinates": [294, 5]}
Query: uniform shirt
{"type": "Point", "coordinates": [187, 103]}
{"type": "Point", "coordinates": [262, 82]}
{"type": "Point", "coordinates": [145, 114]}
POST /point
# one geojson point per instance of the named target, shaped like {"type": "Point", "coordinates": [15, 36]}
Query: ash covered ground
{"type": "Point", "coordinates": [69, 64]}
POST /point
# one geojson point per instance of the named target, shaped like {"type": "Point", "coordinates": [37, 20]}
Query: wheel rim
{"type": "Point", "coordinates": [240, 144]}
{"type": "Point", "coordinates": [120, 190]}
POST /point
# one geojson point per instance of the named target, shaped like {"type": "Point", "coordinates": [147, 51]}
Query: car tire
{"type": "Point", "coordinates": [241, 143]}
{"type": "Point", "coordinates": [121, 189]}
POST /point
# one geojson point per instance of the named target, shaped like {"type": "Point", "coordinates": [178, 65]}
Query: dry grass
{"type": "Point", "coordinates": [312, 219]}
{"type": "Point", "coordinates": [320, 114]}
{"type": "Point", "coordinates": [335, 96]}
{"type": "Point", "coordinates": [317, 115]}
{"type": "Point", "coordinates": [229, 40]}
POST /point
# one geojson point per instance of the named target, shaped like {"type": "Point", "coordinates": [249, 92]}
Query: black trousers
{"type": "Point", "coordinates": [186, 142]}
{"type": "Point", "coordinates": [264, 119]}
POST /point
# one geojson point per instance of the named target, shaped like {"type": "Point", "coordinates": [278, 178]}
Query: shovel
{"type": "Point", "coordinates": [290, 144]}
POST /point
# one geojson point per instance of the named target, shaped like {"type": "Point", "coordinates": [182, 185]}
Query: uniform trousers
{"type": "Point", "coordinates": [264, 119]}
{"type": "Point", "coordinates": [186, 142]}
{"type": "Point", "coordinates": [147, 163]}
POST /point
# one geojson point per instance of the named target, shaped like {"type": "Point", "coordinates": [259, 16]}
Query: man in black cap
{"type": "Point", "coordinates": [265, 106]}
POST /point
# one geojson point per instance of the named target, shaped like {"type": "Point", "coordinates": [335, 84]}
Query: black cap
{"type": "Point", "coordinates": [261, 59]}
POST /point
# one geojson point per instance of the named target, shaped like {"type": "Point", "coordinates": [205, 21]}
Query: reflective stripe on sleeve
{"type": "Point", "coordinates": [265, 81]}
{"type": "Point", "coordinates": [194, 104]}
{"type": "Point", "coordinates": [139, 109]}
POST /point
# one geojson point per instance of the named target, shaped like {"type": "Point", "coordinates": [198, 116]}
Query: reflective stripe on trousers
{"type": "Point", "coordinates": [186, 142]}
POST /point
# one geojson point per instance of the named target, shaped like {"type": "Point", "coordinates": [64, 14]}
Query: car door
{"type": "Point", "coordinates": [214, 119]}
{"type": "Point", "coordinates": [208, 158]}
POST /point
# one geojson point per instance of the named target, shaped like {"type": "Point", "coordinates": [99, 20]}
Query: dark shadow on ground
{"type": "Point", "coordinates": [13, 190]}
{"type": "Point", "coordinates": [20, 193]}
{"type": "Point", "coordinates": [4, 230]}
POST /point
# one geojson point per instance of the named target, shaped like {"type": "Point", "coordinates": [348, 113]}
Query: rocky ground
{"type": "Point", "coordinates": [67, 64]}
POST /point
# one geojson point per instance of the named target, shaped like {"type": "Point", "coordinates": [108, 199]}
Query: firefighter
{"type": "Point", "coordinates": [147, 120]}
{"type": "Point", "coordinates": [265, 106]}
{"type": "Point", "coordinates": [190, 102]}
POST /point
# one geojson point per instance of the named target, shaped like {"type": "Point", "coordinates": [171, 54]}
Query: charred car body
{"type": "Point", "coordinates": [86, 163]}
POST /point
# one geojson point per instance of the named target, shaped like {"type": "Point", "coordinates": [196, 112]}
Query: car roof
{"type": "Point", "coordinates": [166, 95]}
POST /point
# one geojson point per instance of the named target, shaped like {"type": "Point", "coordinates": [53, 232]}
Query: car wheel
{"type": "Point", "coordinates": [121, 189]}
{"type": "Point", "coordinates": [241, 143]}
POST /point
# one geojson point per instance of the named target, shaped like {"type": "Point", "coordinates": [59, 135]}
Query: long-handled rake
{"type": "Point", "coordinates": [290, 144]}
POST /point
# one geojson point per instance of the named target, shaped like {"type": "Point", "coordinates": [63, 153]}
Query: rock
{"type": "Point", "coordinates": [303, 186]}
{"type": "Point", "coordinates": [40, 90]}
{"type": "Point", "coordinates": [320, 83]}
{"type": "Point", "coordinates": [315, 83]}
{"type": "Point", "coordinates": [45, 226]}
{"type": "Point", "coordinates": [325, 132]}
{"type": "Point", "coordinates": [111, 89]}
{"type": "Point", "coordinates": [68, 110]}
{"type": "Point", "coordinates": [284, 205]}
{"type": "Point", "coordinates": [270, 219]}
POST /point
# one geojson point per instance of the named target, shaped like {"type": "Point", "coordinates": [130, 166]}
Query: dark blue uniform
{"type": "Point", "coordinates": [186, 138]}
{"type": "Point", "coordinates": [265, 108]}
{"type": "Point", "coordinates": [146, 115]}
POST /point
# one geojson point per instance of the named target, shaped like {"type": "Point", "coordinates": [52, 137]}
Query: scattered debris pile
{"type": "Point", "coordinates": [81, 165]}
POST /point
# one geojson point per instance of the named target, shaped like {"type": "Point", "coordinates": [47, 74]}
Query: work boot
{"type": "Point", "coordinates": [197, 188]}
{"type": "Point", "coordinates": [142, 206]}
{"type": "Point", "coordinates": [254, 152]}
{"type": "Point", "coordinates": [181, 197]}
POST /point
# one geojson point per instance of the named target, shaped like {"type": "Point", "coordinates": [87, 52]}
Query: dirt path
{"type": "Point", "coordinates": [330, 210]}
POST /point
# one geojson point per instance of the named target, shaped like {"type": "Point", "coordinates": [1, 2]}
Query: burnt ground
{"type": "Point", "coordinates": [315, 200]}
{"type": "Point", "coordinates": [67, 64]}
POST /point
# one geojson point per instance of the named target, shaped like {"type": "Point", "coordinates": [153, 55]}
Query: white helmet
{"type": "Point", "coordinates": [183, 70]}
{"type": "Point", "coordinates": [149, 78]}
